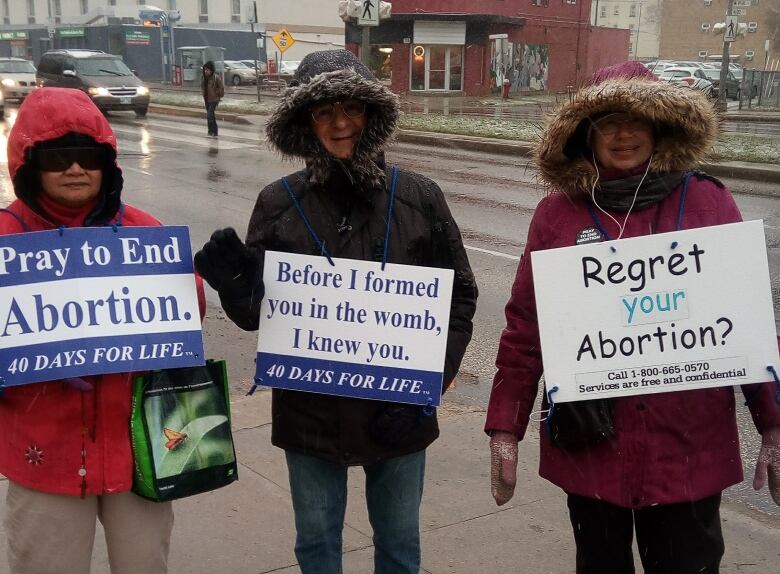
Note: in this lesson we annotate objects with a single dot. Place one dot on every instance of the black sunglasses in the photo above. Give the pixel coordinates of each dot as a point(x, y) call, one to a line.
point(60, 159)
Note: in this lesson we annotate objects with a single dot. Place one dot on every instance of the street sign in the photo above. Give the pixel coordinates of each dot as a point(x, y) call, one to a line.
point(72, 32)
point(732, 26)
point(283, 40)
point(369, 13)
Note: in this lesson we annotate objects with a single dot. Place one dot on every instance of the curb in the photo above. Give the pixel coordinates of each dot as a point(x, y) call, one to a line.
point(750, 117)
point(739, 170)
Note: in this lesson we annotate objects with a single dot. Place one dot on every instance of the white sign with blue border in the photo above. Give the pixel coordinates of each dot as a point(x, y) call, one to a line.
point(89, 301)
point(354, 329)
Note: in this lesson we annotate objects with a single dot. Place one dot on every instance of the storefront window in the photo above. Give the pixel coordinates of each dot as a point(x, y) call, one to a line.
point(418, 68)
point(380, 62)
point(456, 68)
point(437, 68)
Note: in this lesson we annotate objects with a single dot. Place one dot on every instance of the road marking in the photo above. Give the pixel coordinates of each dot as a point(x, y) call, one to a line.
point(199, 141)
point(494, 253)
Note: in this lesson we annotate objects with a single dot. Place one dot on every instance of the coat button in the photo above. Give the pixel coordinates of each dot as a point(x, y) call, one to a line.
point(347, 455)
point(640, 406)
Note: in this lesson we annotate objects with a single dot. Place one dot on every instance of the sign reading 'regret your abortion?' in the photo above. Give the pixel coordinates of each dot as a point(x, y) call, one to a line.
point(354, 329)
point(668, 312)
point(96, 300)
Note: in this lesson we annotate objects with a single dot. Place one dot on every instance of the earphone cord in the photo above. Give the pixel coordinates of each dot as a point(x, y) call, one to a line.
point(620, 227)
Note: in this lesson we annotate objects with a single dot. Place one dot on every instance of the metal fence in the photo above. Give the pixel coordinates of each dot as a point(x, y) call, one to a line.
point(759, 89)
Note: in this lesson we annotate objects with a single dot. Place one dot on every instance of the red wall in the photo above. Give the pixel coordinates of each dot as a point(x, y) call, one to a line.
point(521, 8)
point(576, 49)
point(604, 48)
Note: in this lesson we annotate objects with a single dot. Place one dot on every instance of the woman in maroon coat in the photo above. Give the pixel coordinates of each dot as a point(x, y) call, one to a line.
point(618, 162)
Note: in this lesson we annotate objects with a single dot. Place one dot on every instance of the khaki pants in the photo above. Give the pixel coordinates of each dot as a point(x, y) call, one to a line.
point(54, 534)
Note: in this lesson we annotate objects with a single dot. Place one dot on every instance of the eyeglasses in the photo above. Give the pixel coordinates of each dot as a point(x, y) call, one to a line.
point(609, 125)
point(325, 112)
point(60, 159)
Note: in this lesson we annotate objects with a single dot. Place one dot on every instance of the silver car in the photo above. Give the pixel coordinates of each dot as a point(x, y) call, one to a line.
point(692, 77)
point(238, 73)
point(17, 78)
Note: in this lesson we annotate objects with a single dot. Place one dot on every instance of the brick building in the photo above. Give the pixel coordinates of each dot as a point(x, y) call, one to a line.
point(470, 46)
point(687, 31)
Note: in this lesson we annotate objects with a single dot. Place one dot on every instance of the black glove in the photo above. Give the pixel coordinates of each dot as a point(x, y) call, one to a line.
point(230, 267)
point(395, 424)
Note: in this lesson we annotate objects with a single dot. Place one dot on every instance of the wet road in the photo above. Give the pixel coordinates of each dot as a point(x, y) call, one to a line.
point(172, 170)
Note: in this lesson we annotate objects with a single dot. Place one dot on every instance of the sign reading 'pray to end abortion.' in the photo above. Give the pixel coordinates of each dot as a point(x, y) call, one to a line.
point(89, 301)
point(668, 312)
point(354, 329)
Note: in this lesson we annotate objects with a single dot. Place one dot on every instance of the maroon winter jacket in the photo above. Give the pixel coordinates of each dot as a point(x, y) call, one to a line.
point(669, 447)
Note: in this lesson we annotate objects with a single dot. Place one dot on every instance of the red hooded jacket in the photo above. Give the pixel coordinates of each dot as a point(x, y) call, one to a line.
point(43, 426)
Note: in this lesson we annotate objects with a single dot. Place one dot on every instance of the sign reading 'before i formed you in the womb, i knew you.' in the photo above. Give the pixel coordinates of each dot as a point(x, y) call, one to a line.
point(89, 301)
point(668, 312)
point(353, 328)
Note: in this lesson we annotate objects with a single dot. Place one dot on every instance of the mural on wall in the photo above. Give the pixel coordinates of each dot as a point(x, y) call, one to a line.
point(525, 66)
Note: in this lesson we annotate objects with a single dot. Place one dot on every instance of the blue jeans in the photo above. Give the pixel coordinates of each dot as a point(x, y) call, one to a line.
point(211, 117)
point(393, 494)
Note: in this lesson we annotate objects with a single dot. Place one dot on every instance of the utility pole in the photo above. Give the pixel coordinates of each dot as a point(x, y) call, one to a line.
point(596, 14)
point(257, 48)
point(638, 28)
point(724, 63)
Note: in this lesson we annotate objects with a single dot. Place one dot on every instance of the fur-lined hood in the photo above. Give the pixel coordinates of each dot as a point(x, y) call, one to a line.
point(685, 121)
point(334, 75)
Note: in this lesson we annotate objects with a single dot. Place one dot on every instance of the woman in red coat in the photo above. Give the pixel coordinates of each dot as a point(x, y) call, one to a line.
point(618, 161)
point(65, 445)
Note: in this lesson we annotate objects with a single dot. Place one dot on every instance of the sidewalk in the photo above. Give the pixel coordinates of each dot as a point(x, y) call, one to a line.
point(247, 527)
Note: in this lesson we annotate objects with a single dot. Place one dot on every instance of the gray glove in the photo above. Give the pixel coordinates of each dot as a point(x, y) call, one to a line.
point(503, 466)
point(768, 464)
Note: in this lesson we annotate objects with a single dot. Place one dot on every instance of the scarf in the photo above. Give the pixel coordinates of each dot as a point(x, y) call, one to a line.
point(618, 194)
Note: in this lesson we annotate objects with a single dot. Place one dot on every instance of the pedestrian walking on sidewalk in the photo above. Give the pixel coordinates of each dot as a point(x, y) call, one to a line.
point(65, 444)
point(619, 162)
point(213, 91)
point(338, 118)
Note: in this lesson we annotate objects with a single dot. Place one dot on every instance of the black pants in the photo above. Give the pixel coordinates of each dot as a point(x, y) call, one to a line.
point(672, 538)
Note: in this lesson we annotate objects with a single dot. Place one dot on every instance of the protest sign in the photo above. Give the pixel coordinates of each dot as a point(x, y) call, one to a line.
point(354, 329)
point(668, 312)
point(87, 301)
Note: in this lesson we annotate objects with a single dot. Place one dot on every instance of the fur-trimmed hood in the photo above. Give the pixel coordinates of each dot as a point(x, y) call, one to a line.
point(334, 75)
point(685, 122)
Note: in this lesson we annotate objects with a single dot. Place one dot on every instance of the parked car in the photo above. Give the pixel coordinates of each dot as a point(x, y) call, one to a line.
point(288, 66)
point(732, 84)
point(103, 77)
point(691, 77)
point(237, 73)
point(658, 66)
point(17, 78)
point(262, 67)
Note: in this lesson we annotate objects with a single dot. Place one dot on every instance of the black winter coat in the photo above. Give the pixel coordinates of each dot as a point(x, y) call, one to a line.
point(423, 233)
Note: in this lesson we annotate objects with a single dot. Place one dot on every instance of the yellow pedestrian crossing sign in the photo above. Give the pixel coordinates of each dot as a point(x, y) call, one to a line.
point(283, 40)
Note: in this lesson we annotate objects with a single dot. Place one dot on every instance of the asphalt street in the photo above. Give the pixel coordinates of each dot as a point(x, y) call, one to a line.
point(178, 174)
